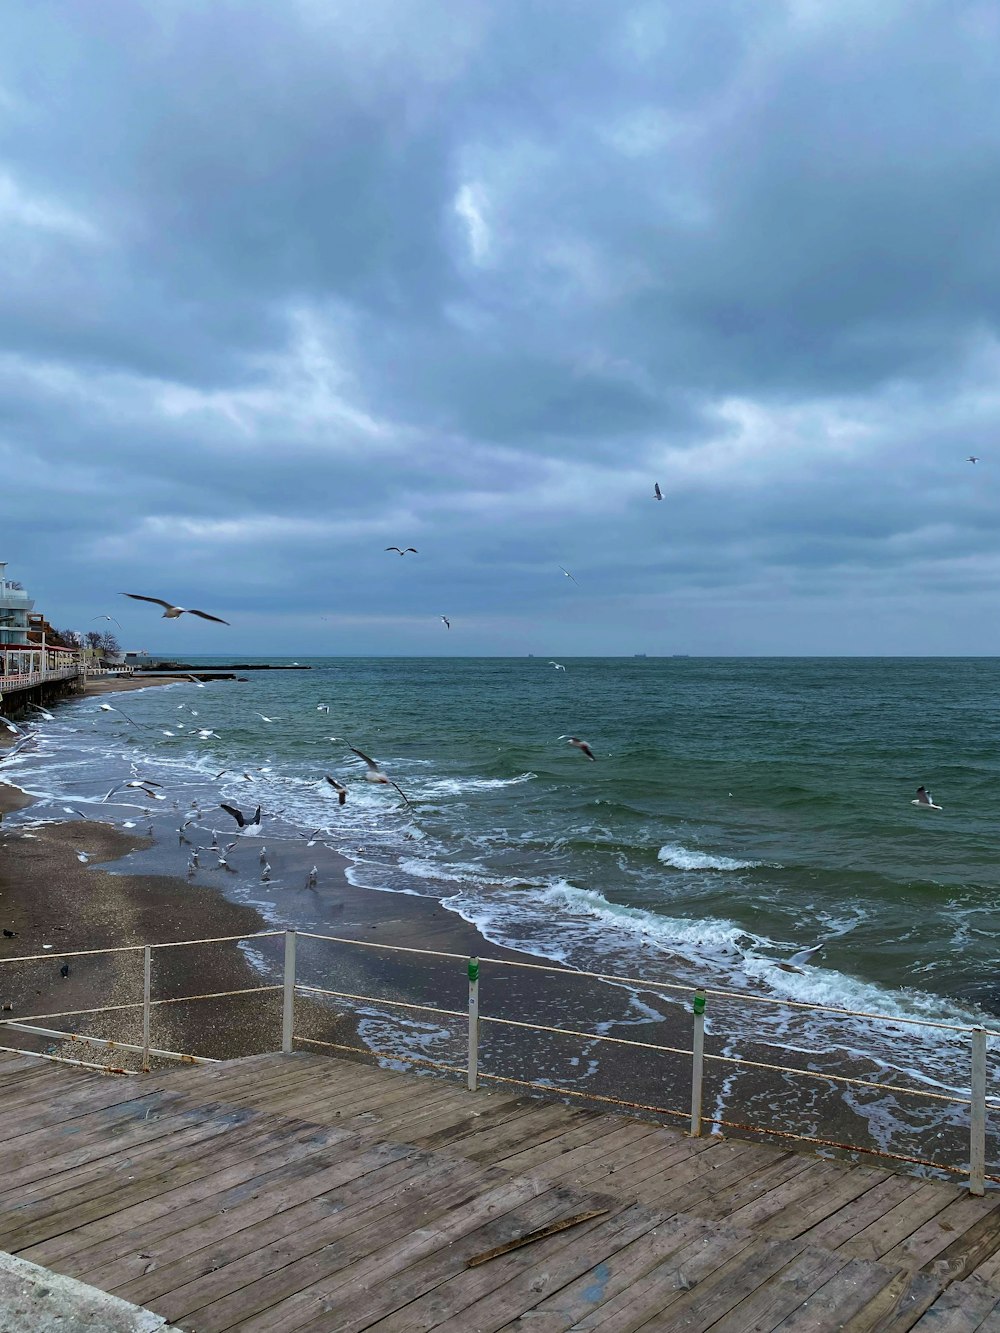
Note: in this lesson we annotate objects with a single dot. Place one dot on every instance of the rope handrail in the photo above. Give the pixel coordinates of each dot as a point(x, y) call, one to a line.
point(645, 984)
point(137, 948)
point(301, 987)
point(138, 1004)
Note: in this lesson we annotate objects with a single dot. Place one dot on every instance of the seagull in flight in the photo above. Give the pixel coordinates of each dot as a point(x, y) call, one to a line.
point(375, 775)
point(12, 727)
point(558, 666)
point(925, 799)
point(339, 787)
point(172, 612)
point(656, 491)
point(447, 622)
point(580, 745)
point(568, 575)
point(972, 459)
point(111, 618)
point(143, 784)
point(195, 681)
point(402, 552)
point(322, 708)
point(243, 820)
point(44, 712)
point(268, 719)
point(110, 708)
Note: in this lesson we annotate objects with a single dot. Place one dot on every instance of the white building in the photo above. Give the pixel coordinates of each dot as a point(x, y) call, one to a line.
point(14, 607)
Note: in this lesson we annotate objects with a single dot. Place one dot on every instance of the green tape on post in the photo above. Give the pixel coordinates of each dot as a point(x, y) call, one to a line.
point(473, 969)
point(698, 1006)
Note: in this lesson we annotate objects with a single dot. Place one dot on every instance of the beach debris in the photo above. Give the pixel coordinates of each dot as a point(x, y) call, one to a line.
point(374, 774)
point(172, 612)
point(580, 745)
point(83, 857)
point(64, 971)
point(568, 575)
point(110, 708)
point(9, 934)
point(402, 552)
point(447, 622)
point(339, 788)
point(141, 784)
point(925, 799)
point(111, 618)
point(552, 1229)
point(243, 820)
point(558, 666)
point(656, 490)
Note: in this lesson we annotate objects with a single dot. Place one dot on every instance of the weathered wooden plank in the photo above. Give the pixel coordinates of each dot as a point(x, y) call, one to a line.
point(376, 1201)
point(503, 1290)
point(782, 1294)
point(853, 1217)
point(667, 1281)
point(281, 1300)
point(614, 1274)
point(965, 1216)
point(850, 1291)
point(552, 1146)
point(887, 1231)
point(898, 1306)
point(173, 1186)
point(961, 1308)
point(802, 1214)
point(465, 1130)
point(275, 1210)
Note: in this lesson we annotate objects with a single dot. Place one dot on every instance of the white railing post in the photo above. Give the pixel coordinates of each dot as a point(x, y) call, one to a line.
point(977, 1129)
point(697, 1060)
point(288, 999)
point(147, 980)
point(473, 1074)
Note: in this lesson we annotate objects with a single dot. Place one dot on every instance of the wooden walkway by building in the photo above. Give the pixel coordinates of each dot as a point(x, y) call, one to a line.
point(301, 1192)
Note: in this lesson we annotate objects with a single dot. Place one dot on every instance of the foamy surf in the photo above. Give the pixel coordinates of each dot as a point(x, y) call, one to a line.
point(683, 858)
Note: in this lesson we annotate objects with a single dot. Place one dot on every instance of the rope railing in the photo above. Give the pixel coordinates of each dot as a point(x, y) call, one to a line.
point(291, 987)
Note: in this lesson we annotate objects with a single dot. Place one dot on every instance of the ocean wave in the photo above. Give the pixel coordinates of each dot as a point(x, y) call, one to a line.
point(683, 858)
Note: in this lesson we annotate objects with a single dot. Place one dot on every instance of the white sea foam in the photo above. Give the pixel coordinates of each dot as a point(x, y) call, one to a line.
point(683, 858)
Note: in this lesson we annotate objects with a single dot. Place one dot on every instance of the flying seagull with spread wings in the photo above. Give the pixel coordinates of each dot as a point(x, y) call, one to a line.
point(402, 552)
point(172, 612)
point(925, 799)
point(338, 787)
point(375, 774)
point(568, 575)
point(580, 745)
point(972, 459)
point(243, 820)
point(111, 618)
point(447, 622)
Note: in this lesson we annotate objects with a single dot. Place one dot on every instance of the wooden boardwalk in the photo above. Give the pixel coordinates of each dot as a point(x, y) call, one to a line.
point(299, 1192)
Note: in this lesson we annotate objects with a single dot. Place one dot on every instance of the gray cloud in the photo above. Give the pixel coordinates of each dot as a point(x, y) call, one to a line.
point(283, 285)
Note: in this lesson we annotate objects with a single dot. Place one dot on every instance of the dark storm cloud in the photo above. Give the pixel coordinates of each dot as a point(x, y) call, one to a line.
point(283, 285)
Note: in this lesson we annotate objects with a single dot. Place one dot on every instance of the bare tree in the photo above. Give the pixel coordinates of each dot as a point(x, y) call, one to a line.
point(109, 644)
point(93, 638)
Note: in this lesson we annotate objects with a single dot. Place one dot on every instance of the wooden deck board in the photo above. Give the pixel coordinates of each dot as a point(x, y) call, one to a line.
point(290, 1193)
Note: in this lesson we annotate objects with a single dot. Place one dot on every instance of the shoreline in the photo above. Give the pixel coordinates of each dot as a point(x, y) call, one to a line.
point(48, 896)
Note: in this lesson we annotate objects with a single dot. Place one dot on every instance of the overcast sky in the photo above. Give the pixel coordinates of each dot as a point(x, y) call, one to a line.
point(282, 284)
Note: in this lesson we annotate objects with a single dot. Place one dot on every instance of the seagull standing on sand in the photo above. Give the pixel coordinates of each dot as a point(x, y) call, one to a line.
point(580, 745)
point(402, 552)
point(312, 877)
point(925, 799)
point(172, 612)
point(374, 774)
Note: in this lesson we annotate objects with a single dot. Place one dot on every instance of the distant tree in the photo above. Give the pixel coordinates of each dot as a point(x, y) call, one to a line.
point(69, 638)
point(93, 638)
point(109, 644)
